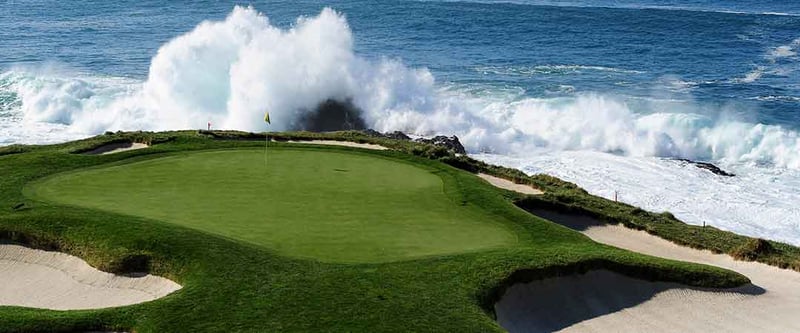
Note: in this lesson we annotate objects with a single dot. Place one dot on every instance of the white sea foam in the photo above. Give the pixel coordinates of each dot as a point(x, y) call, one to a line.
point(780, 60)
point(558, 69)
point(784, 51)
point(779, 98)
point(752, 76)
point(230, 72)
point(757, 202)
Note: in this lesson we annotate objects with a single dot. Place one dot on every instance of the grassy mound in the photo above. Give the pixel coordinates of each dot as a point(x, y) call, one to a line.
point(332, 206)
point(264, 284)
point(753, 249)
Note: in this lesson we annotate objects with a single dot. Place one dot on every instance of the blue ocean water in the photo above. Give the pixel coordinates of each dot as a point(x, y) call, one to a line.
point(604, 93)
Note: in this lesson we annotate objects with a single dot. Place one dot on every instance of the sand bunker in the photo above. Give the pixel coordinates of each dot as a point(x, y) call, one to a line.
point(343, 143)
point(556, 303)
point(118, 147)
point(601, 301)
point(509, 185)
point(58, 281)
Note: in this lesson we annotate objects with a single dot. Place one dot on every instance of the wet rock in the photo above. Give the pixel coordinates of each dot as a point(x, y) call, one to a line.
point(449, 142)
point(373, 133)
point(397, 135)
point(708, 166)
point(331, 115)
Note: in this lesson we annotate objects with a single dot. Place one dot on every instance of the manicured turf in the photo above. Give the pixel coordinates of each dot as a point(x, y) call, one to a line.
point(231, 285)
point(332, 206)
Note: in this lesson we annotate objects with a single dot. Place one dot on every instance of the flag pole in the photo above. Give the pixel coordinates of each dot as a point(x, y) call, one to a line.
point(266, 146)
point(266, 138)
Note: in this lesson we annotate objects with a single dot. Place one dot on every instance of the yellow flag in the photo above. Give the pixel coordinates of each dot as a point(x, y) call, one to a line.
point(266, 117)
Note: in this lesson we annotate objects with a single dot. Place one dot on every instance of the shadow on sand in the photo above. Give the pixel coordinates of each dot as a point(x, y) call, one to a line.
point(556, 303)
point(552, 304)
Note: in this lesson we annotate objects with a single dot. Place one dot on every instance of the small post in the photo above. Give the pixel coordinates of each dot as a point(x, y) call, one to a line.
point(616, 195)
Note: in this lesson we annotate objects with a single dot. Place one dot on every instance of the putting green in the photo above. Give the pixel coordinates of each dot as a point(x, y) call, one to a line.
point(331, 205)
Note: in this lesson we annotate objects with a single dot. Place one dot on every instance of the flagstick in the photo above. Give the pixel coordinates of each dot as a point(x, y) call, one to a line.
point(266, 145)
point(266, 138)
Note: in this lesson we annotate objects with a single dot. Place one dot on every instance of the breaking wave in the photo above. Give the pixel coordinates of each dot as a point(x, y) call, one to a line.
point(528, 71)
point(230, 72)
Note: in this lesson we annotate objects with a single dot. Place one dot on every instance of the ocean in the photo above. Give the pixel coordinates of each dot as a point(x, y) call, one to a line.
point(608, 94)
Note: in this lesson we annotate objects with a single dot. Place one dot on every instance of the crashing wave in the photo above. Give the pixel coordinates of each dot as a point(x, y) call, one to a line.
point(230, 72)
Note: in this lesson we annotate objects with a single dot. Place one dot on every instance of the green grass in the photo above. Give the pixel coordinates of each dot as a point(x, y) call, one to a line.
point(665, 225)
point(232, 285)
point(332, 206)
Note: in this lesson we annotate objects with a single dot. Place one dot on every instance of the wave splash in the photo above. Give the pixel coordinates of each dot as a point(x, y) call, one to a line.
point(230, 72)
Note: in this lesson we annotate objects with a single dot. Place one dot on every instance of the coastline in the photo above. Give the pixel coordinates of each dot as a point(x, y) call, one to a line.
point(582, 255)
point(558, 195)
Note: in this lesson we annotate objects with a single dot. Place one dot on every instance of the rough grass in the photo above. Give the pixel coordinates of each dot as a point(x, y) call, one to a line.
point(236, 286)
point(666, 226)
point(752, 249)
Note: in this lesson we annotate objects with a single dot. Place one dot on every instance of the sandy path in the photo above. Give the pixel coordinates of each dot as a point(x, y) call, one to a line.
point(614, 303)
point(342, 143)
point(509, 185)
point(58, 281)
point(113, 148)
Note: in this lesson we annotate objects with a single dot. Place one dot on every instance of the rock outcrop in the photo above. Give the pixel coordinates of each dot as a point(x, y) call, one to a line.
point(708, 166)
point(449, 142)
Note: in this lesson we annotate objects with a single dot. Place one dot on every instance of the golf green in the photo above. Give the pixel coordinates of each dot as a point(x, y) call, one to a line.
point(329, 204)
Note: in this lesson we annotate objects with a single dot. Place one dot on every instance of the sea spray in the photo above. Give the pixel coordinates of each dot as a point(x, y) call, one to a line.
point(230, 72)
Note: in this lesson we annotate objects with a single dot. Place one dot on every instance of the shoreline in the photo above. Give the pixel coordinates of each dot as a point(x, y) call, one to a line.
point(559, 194)
point(174, 254)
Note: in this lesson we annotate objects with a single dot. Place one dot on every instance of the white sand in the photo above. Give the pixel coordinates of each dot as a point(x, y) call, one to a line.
point(509, 185)
point(58, 281)
point(342, 143)
point(607, 302)
point(113, 148)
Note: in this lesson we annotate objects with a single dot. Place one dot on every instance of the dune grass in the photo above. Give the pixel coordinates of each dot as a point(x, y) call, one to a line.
point(332, 206)
point(234, 285)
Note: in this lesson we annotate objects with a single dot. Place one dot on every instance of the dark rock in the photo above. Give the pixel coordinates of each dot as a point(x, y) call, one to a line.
point(332, 115)
point(397, 135)
point(450, 143)
point(373, 133)
point(708, 166)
